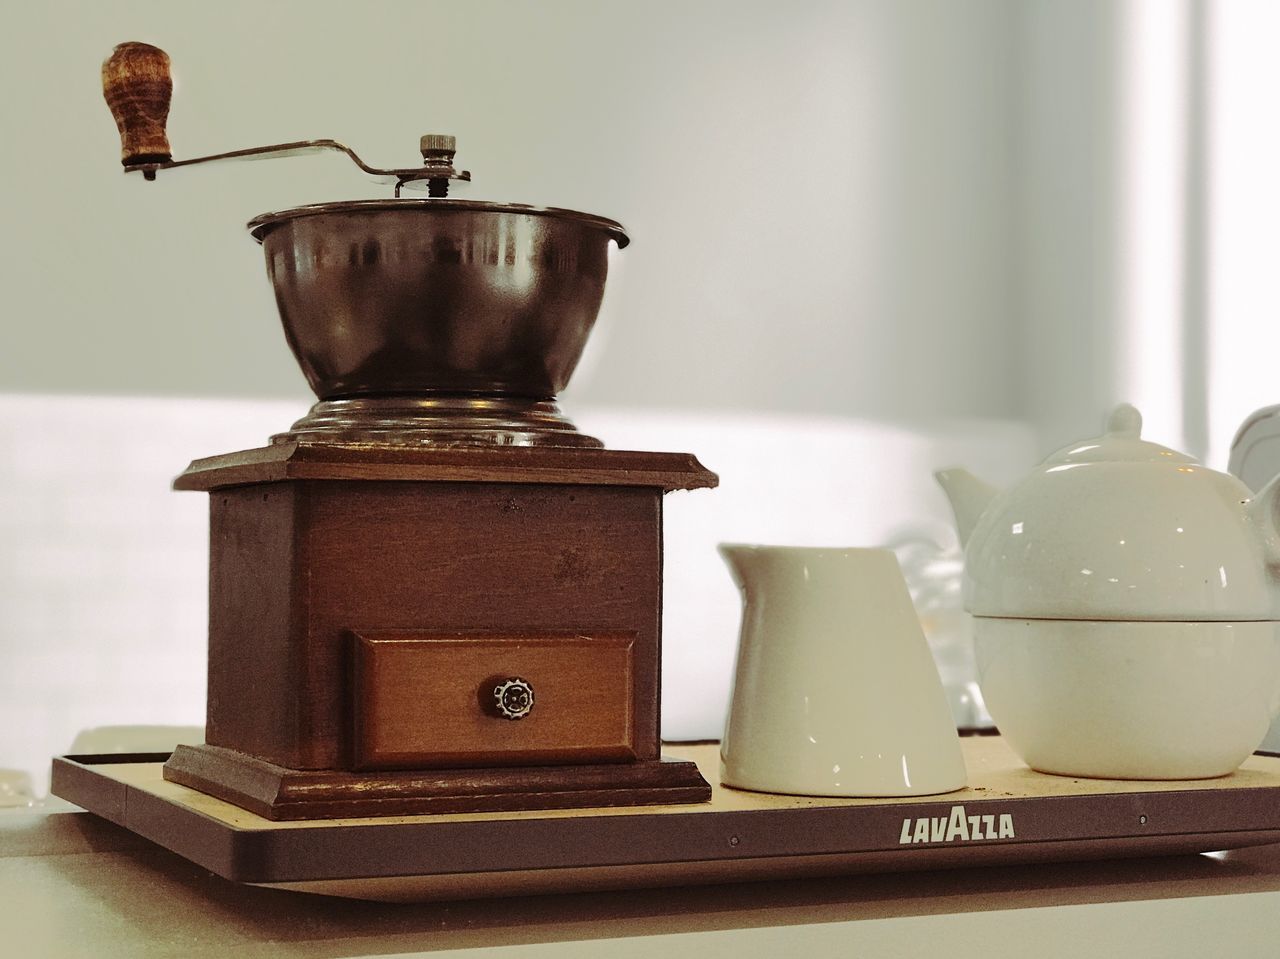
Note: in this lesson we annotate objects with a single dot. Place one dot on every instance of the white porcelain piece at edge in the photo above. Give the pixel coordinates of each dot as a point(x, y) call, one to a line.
point(1125, 602)
point(836, 692)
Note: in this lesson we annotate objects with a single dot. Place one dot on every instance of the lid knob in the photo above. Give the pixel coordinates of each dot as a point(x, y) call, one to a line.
point(1125, 420)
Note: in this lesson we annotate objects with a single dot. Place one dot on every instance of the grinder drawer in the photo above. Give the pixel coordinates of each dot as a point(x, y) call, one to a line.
point(444, 700)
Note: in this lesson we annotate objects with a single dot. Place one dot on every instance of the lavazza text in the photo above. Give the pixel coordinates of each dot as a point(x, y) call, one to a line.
point(957, 827)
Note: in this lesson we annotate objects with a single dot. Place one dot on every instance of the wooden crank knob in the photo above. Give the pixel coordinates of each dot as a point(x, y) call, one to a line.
point(138, 86)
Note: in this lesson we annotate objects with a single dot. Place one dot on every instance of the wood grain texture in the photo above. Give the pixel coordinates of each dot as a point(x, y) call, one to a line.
point(312, 545)
point(276, 793)
point(448, 557)
point(137, 86)
point(666, 471)
point(425, 700)
point(257, 697)
point(295, 566)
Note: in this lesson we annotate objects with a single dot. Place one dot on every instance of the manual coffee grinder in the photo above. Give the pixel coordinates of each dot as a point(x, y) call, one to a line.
point(432, 594)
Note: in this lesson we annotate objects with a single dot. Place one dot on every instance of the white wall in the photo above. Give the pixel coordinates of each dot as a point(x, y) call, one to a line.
point(1144, 202)
point(818, 192)
point(893, 210)
point(1067, 215)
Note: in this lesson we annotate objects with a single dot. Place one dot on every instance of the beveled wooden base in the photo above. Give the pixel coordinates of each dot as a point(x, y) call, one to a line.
point(281, 794)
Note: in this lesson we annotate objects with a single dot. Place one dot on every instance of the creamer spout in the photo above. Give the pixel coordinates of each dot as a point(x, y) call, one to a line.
point(741, 560)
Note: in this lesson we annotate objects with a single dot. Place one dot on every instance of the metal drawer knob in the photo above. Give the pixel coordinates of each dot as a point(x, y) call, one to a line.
point(514, 698)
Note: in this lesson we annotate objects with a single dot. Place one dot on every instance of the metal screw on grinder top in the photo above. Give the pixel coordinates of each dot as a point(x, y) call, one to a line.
point(438, 150)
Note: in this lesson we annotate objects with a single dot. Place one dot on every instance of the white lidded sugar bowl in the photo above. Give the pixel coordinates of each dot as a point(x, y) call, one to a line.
point(1125, 602)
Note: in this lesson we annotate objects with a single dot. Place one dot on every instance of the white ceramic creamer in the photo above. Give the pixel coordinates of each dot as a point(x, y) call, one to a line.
point(836, 692)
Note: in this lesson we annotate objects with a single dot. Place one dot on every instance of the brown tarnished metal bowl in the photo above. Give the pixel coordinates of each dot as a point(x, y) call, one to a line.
point(426, 312)
point(436, 296)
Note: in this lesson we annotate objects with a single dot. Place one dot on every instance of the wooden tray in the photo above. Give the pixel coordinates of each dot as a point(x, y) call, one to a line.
point(1007, 814)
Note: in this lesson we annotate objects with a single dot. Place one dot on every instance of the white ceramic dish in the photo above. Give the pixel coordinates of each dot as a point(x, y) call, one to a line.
point(1130, 700)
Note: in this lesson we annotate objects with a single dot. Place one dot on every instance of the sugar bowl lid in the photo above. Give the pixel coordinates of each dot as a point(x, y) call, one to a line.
point(1119, 528)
